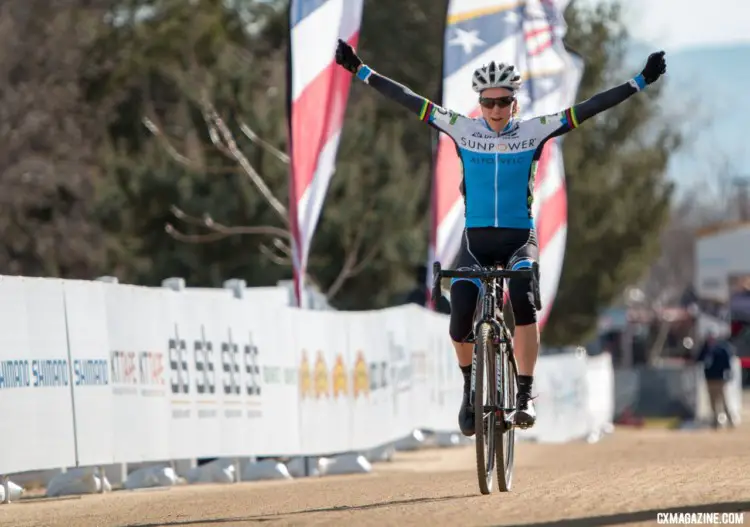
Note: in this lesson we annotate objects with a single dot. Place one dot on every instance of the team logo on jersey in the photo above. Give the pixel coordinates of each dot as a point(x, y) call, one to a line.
point(480, 135)
point(499, 147)
point(551, 118)
point(453, 116)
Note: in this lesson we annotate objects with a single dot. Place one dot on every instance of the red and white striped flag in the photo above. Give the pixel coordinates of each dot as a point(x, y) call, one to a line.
point(528, 34)
point(318, 93)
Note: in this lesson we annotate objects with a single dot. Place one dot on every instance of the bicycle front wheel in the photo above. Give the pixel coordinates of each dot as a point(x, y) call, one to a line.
point(485, 390)
point(506, 434)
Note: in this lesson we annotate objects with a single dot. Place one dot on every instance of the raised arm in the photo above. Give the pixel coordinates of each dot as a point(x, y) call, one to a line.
point(425, 109)
point(393, 90)
point(574, 116)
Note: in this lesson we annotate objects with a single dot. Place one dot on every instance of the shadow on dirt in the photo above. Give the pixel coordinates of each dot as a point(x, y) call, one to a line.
point(279, 516)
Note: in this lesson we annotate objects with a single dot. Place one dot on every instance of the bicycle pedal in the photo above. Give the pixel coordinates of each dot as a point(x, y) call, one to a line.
point(503, 426)
point(522, 426)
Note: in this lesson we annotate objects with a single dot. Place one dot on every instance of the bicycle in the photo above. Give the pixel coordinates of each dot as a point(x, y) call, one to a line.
point(492, 338)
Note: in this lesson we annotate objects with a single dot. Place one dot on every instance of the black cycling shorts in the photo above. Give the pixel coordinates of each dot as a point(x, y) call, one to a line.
point(511, 248)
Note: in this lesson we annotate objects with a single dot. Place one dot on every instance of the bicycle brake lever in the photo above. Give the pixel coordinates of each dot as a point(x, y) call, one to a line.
point(435, 285)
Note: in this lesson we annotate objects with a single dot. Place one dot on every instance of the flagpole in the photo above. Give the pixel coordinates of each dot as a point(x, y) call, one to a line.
point(432, 303)
point(297, 273)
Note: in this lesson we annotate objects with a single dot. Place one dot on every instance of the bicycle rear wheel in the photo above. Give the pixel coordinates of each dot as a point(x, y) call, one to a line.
point(485, 390)
point(506, 435)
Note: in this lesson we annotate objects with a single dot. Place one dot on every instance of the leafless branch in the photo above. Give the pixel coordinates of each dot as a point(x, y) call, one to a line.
point(365, 260)
point(353, 265)
point(220, 231)
point(283, 247)
point(152, 124)
point(255, 138)
point(187, 218)
point(279, 250)
point(223, 138)
point(275, 258)
point(193, 238)
point(156, 131)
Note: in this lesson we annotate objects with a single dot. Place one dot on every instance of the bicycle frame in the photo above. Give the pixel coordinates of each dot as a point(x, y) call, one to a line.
point(490, 305)
point(490, 356)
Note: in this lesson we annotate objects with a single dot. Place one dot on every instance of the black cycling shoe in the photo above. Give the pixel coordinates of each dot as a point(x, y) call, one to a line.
point(525, 414)
point(466, 416)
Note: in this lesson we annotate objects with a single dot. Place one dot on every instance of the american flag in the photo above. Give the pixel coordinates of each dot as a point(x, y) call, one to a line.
point(529, 35)
point(318, 93)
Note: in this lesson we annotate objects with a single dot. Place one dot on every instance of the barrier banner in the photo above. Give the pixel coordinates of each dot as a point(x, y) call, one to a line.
point(562, 404)
point(370, 413)
point(401, 329)
point(96, 373)
point(137, 325)
point(323, 400)
point(443, 377)
point(203, 332)
point(36, 416)
point(182, 416)
point(96, 417)
point(600, 384)
point(270, 378)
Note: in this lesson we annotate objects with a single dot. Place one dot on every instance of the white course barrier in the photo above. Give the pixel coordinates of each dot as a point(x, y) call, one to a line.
point(83, 480)
point(96, 373)
point(147, 477)
point(14, 491)
point(575, 398)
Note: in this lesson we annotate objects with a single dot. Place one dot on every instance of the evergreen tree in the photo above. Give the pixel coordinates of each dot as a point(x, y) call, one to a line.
point(615, 168)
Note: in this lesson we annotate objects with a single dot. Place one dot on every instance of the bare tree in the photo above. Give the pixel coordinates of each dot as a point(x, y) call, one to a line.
point(711, 201)
point(197, 85)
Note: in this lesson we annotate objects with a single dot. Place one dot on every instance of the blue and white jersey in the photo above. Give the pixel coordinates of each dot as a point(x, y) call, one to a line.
point(498, 168)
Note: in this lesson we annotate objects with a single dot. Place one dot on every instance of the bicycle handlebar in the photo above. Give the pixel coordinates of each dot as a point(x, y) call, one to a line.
point(486, 274)
point(495, 273)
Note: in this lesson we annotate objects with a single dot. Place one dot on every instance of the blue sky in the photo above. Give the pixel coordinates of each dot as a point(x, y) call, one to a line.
point(679, 24)
point(708, 50)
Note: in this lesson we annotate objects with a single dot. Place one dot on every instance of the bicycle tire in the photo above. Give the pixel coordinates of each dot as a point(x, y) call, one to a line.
point(484, 429)
point(505, 440)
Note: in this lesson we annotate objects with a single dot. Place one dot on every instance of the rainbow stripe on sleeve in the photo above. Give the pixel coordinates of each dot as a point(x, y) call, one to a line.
point(426, 111)
point(570, 118)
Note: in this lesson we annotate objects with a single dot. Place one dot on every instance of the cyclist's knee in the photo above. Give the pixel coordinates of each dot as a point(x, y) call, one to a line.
point(522, 301)
point(463, 302)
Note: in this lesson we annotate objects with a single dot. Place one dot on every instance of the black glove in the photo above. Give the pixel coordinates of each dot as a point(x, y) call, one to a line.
point(346, 57)
point(655, 67)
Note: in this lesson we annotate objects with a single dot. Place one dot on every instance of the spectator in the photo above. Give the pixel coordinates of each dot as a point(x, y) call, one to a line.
point(418, 295)
point(716, 356)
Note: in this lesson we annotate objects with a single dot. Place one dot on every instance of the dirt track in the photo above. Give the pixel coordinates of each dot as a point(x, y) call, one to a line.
point(624, 479)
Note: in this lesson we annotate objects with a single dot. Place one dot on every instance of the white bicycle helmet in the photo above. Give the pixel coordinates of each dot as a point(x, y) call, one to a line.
point(496, 76)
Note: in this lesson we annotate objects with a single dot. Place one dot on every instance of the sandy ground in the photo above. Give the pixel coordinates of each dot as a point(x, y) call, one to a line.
point(623, 480)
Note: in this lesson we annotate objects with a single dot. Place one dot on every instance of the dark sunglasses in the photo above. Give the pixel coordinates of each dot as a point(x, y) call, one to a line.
point(502, 102)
